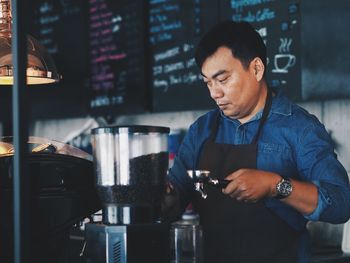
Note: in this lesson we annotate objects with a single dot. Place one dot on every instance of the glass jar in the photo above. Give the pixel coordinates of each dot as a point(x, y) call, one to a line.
point(187, 240)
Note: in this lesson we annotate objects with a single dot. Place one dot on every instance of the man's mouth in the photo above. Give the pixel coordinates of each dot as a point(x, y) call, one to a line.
point(220, 104)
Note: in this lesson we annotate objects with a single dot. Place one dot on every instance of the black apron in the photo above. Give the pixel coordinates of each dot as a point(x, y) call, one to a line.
point(235, 231)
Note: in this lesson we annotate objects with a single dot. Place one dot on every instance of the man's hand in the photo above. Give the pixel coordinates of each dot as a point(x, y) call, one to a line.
point(250, 185)
point(170, 206)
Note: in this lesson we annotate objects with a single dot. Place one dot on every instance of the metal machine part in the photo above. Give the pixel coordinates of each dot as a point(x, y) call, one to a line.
point(38, 145)
point(127, 243)
point(202, 177)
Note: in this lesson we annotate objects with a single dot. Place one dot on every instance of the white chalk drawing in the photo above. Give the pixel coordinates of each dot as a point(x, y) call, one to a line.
point(285, 45)
point(284, 60)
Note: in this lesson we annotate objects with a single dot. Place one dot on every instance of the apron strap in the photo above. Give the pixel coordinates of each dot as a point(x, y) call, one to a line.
point(215, 127)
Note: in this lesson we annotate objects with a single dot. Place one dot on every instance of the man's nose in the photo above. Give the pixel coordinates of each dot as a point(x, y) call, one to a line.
point(216, 92)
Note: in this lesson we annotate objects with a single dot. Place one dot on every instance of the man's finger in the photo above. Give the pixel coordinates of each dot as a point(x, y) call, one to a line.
point(235, 175)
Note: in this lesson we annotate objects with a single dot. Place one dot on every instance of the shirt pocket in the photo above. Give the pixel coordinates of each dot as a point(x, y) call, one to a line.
point(276, 158)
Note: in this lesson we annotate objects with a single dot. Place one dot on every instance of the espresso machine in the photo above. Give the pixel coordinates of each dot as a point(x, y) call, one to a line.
point(62, 194)
point(130, 163)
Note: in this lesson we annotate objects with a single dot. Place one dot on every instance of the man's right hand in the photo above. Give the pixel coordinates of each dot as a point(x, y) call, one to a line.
point(170, 206)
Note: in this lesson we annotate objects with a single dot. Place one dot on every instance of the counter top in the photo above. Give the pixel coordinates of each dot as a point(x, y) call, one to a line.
point(332, 258)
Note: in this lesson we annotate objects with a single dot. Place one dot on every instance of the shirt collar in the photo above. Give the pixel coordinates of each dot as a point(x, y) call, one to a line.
point(281, 104)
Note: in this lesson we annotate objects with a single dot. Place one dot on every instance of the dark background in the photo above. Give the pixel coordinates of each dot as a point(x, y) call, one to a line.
point(120, 57)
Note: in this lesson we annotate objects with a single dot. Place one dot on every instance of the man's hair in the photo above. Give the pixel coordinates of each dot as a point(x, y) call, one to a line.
point(244, 42)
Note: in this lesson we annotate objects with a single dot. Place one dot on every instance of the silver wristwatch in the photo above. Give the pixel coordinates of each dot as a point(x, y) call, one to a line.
point(284, 188)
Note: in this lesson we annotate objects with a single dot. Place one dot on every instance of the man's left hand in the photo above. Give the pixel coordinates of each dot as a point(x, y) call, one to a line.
point(250, 185)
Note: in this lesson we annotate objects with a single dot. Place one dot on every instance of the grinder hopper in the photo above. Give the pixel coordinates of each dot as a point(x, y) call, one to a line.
point(131, 163)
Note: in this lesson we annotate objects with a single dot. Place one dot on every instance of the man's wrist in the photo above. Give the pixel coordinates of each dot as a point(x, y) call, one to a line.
point(275, 180)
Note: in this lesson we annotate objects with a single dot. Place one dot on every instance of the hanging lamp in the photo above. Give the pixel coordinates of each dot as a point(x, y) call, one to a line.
point(40, 66)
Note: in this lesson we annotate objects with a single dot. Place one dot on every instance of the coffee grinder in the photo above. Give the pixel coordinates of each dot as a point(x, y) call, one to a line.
point(131, 163)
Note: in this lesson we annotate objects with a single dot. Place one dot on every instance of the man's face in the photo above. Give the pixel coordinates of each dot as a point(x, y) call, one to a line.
point(235, 89)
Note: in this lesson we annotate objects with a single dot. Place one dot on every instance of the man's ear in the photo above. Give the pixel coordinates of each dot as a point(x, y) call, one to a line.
point(258, 67)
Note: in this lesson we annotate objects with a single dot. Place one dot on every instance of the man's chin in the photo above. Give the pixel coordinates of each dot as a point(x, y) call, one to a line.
point(230, 114)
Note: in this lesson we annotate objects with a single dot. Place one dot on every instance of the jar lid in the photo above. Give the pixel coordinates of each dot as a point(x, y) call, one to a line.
point(130, 129)
point(190, 216)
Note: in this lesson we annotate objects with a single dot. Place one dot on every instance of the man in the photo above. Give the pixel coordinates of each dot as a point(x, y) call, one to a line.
point(278, 158)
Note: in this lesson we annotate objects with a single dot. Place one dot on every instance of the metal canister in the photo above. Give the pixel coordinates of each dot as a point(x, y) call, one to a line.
point(131, 163)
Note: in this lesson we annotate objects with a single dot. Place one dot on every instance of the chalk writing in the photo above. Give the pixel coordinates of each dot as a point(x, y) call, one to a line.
point(176, 79)
point(163, 23)
point(262, 32)
point(166, 27)
point(69, 7)
point(116, 51)
point(103, 27)
point(157, 70)
point(258, 16)
point(153, 2)
point(191, 63)
point(47, 20)
point(50, 17)
point(186, 47)
point(105, 101)
point(238, 5)
point(173, 67)
point(45, 8)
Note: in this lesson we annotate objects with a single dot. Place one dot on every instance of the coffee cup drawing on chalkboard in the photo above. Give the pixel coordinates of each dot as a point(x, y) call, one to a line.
point(283, 62)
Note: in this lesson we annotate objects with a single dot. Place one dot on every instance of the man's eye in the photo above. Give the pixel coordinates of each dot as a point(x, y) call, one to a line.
point(222, 80)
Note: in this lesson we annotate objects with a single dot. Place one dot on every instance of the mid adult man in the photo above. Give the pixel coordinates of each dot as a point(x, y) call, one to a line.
point(278, 158)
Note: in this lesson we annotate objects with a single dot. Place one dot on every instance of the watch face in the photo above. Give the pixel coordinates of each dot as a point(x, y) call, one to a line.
point(284, 188)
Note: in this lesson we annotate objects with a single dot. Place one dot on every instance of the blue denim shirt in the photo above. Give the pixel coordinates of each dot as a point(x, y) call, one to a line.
point(293, 144)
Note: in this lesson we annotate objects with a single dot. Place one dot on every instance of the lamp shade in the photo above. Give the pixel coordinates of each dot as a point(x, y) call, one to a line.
point(40, 66)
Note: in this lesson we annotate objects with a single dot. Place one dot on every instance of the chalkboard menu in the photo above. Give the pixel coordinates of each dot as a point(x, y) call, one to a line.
point(278, 22)
point(117, 51)
point(60, 26)
point(127, 56)
point(175, 26)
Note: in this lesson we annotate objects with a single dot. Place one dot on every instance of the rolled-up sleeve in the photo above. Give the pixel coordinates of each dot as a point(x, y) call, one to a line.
point(317, 163)
point(184, 160)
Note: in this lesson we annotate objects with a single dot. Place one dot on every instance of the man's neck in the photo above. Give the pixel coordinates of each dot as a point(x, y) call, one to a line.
point(258, 106)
